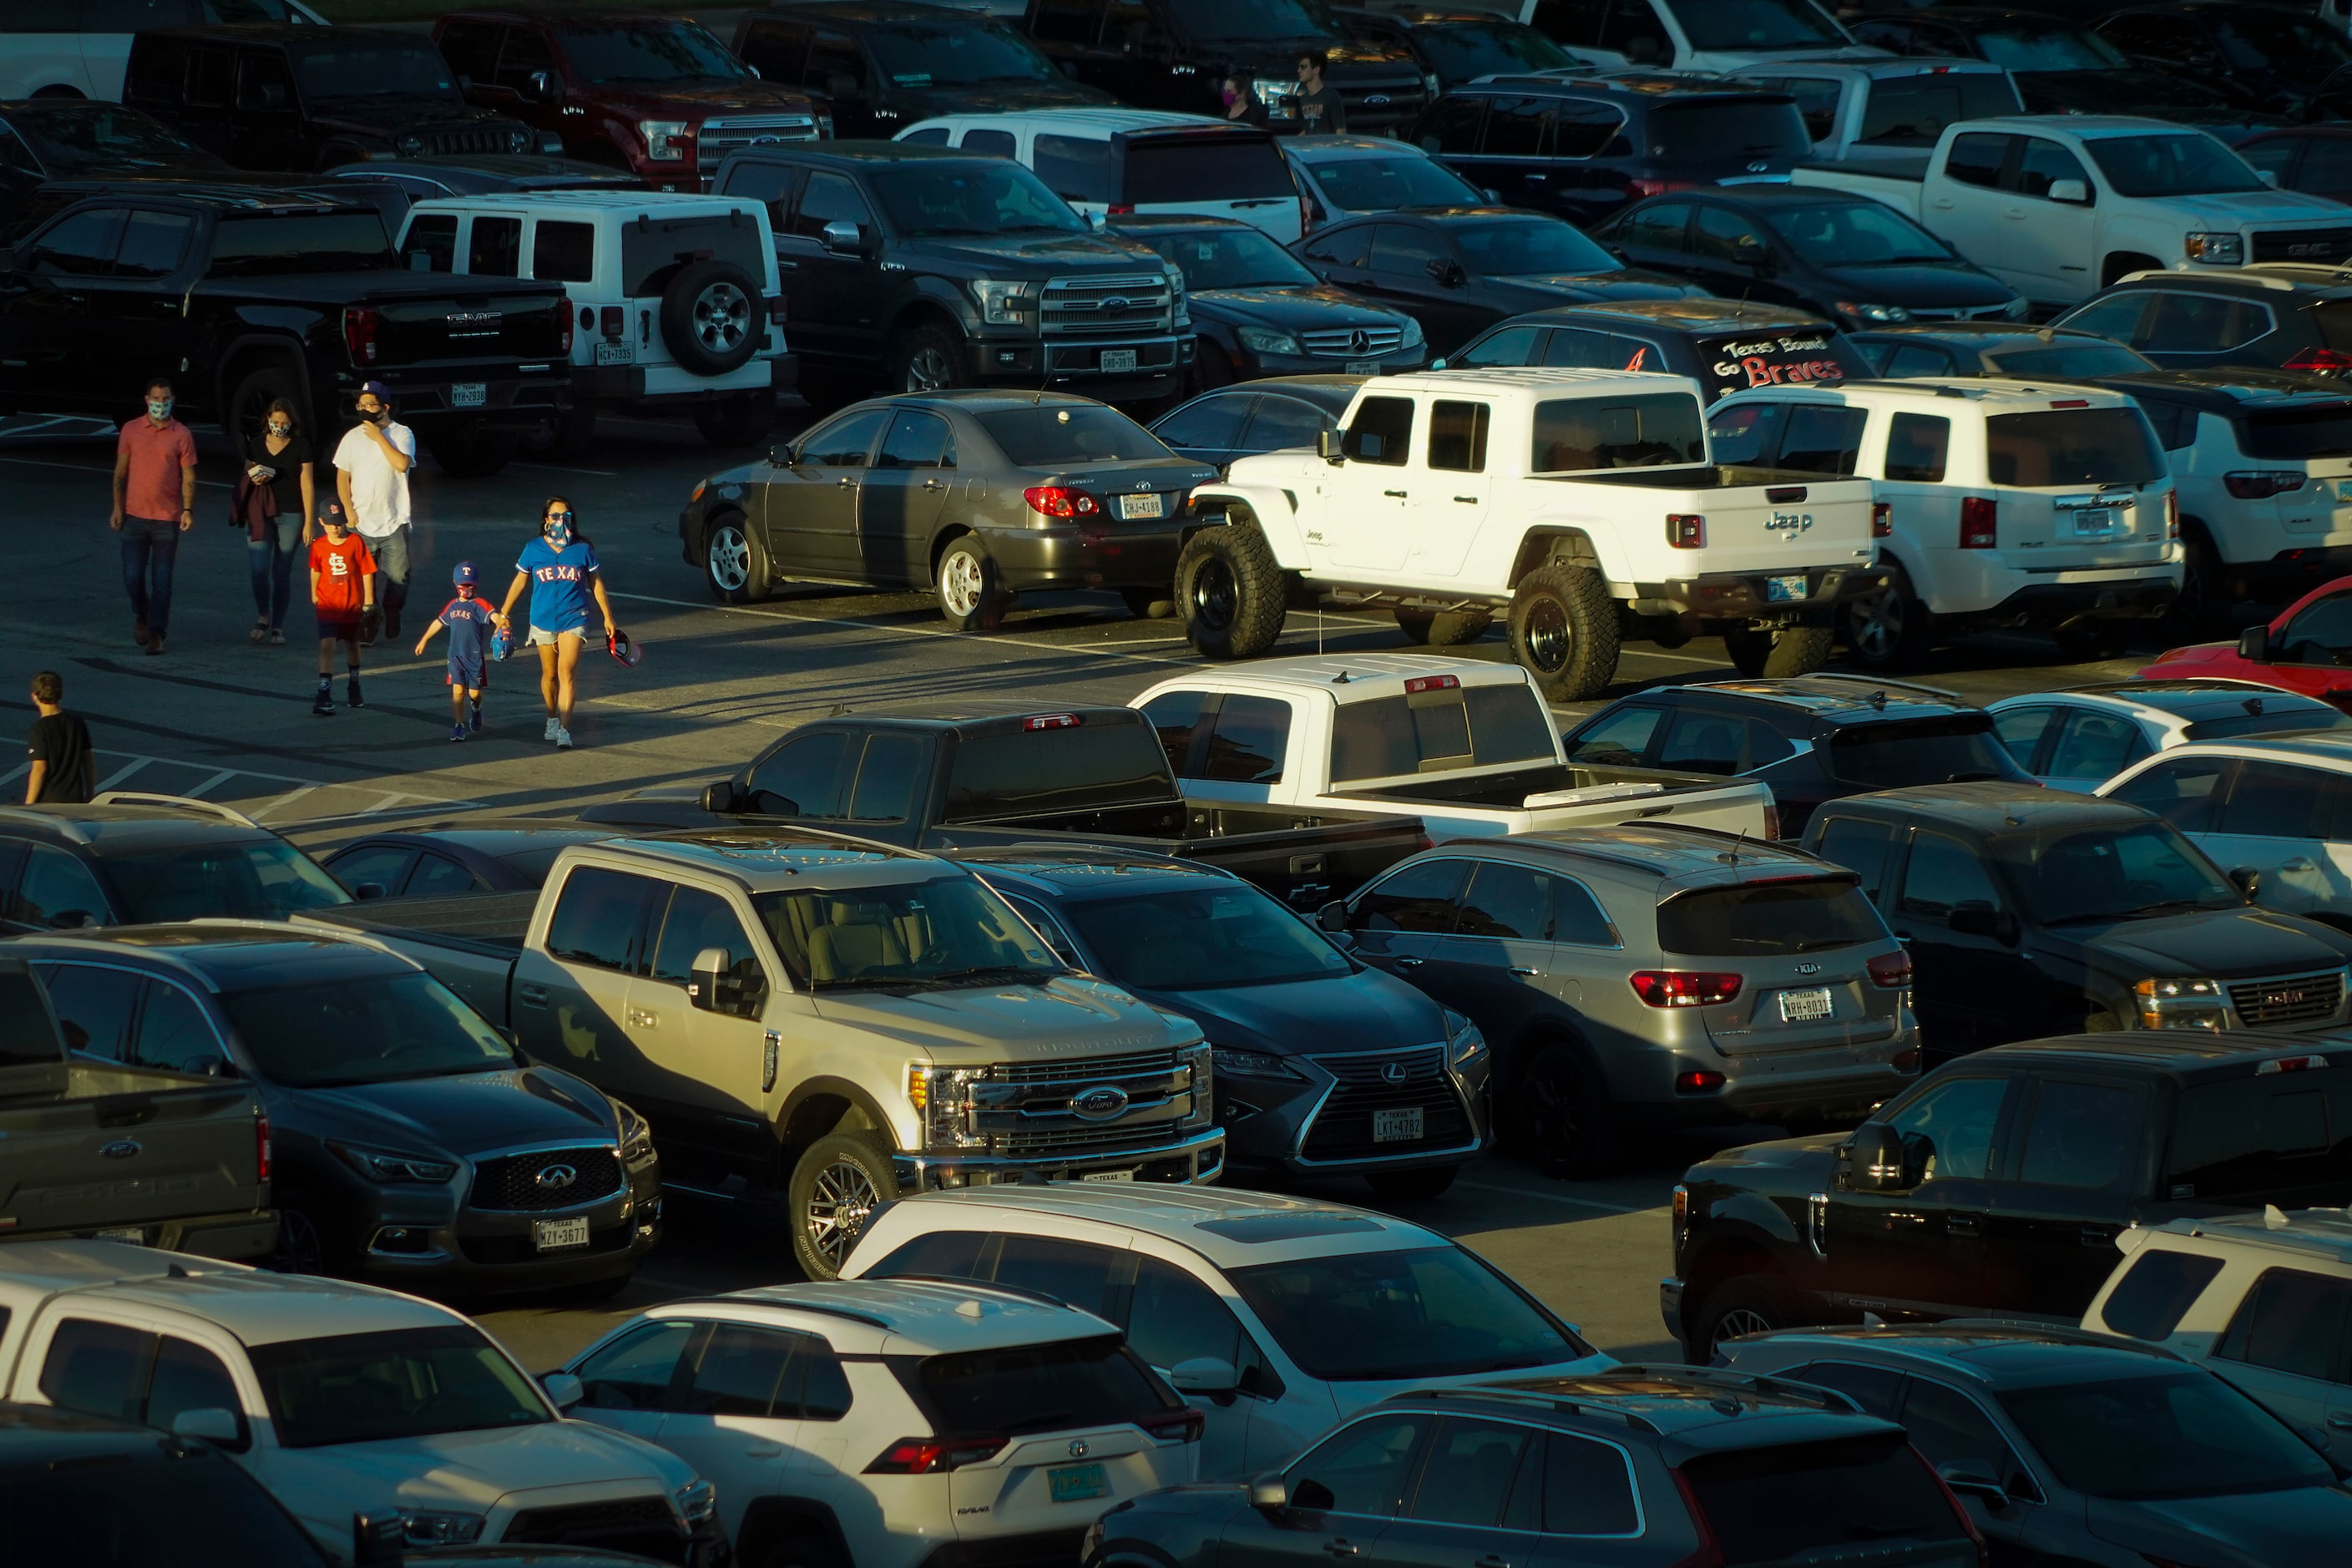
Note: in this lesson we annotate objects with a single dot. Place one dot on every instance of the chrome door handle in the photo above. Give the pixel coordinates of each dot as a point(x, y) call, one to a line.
point(1467, 500)
point(1398, 494)
point(1960, 1225)
point(2298, 863)
point(1340, 1546)
point(1406, 962)
point(1522, 969)
point(847, 483)
point(933, 485)
point(533, 996)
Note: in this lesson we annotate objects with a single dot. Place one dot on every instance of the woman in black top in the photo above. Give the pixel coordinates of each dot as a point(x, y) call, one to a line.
point(277, 459)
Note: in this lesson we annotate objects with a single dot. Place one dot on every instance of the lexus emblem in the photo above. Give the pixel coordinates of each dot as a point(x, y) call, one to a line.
point(1116, 302)
point(1757, 168)
point(120, 1149)
point(555, 1178)
point(1099, 1103)
point(1359, 339)
point(1078, 1448)
point(1392, 1072)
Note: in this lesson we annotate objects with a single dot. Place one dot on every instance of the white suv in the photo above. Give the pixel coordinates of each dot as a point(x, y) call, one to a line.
point(1277, 1316)
point(2004, 504)
point(677, 303)
point(2080, 737)
point(341, 1399)
point(882, 1423)
point(2269, 805)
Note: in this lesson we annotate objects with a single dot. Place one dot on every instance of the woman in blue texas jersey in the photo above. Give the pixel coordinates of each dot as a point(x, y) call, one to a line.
point(567, 594)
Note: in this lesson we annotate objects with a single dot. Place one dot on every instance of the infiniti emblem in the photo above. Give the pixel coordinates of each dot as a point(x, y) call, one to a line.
point(555, 1178)
point(1099, 1103)
point(1078, 1448)
point(1757, 168)
point(1393, 1072)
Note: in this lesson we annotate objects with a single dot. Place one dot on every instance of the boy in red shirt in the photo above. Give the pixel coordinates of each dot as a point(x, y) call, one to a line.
point(343, 587)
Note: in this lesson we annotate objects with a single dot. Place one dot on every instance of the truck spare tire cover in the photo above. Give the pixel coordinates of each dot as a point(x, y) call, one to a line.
point(711, 317)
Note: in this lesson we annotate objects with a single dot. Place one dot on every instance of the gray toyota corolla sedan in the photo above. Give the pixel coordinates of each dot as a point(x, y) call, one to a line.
point(978, 495)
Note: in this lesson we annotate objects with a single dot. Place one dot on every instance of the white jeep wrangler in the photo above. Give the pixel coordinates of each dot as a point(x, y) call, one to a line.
point(675, 298)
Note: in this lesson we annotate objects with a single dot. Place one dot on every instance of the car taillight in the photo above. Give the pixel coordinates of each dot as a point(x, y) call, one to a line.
point(1683, 988)
point(2320, 362)
point(2171, 514)
point(261, 1150)
point(1979, 527)
point(613, 322)
point(2259, 484)
point(1305, 214)
point(1686, 530)
point(1120, 209)
point(1709, 1554)
point(1881, 520)
point(1060, 501)
point(1699, 1081)
point(776, 309)
point(1773, 819)
point(1905, 1061)
point(359, 324)
point(1183, 1425)
point(1642, 186)
point(1890, 969)
point(564, 321)
point(932, 1456)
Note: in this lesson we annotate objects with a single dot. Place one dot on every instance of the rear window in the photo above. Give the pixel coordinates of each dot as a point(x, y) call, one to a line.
point(1784, 356)
point(2268, 717)
point(1772, 1505)
point(1032, 1388)
point(2072, 447)
point(265, 244)
point(651, 250)
point(1716, 131)
point(2292, 434)
point(2156, 1291)
point(2067, 359)
point(2267, 1135)
point(1100, 762)
point(1468, 727)
point(1774, 918)
point(1204, 169)
point(1914, 113)
point(1579, 435)
point(1918, 750)
point(1057, 437)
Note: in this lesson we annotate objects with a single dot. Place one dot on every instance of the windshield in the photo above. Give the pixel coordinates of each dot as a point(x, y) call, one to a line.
point(1201, 938)
point(955, 53)
point(369, 1028)
point(1581, 434)
point(1902, 751)
point(947, 932)
point(999, 196)
point(2069, 359)
point(1064, 434)
point(375, 69)
point(1382, 185)
point(1743, 25)
point(1716, 131)
point(2073, 446)
point(2022, 47)
point(2189, 164)
point(2164, 1435)
point(1035, 1388)
point(1853, 1499)
point(1226, 258)
point(271, 245)
point(1768, 918)
point(404, 1383)
point(648, 51)
point(1239, 19)
point(1856, 234)
point(1504, 248)
point(1460, 50)
point(2291, 435)
point(2112, 873)
point(91, 133)
point(1432, 1311)
point(2297, 47)
point(248, 879)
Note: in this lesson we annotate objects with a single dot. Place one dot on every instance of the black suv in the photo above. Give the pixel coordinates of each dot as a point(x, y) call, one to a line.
point(1455, 47)
point(131, 858)
point(1175, 53)
point(1999, 1185)
point(2012, 349)
point(2283, 314)
point(918, 268)
point(2266, 56)
point(279, 96)
point(1584, 149)
point(1725, 345)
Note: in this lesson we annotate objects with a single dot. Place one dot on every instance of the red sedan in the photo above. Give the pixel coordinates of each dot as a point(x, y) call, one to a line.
point(2307, 647)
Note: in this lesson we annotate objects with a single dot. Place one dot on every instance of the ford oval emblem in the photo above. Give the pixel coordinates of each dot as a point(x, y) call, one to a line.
point(120, 1149)
point(1392, 1072)
point(1099, 1103)
point(1117, 302)
point(555, 1178)
point(1372, 98)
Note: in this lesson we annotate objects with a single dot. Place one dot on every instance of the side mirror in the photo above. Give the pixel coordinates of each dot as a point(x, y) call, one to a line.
point(2268, 176)
point(1976, 917)
point(1205, 1374)
point(1269, 1491)
point(1874, 1160)
point(1331, 446)
point(2246, 879)
point(1445, 270)
point(1437, 363)
point(542, 87)
point(211, 1422)
point(378, 1538)
point(842, 237)
point(782, 455)
point(1750, 252)
point(563, 1390)
point(2073, 193)
point(710, 974)
point(368, 890)
point(2254, 645)
point(722, 799)
point(1970, 1479)
point(1333, 916)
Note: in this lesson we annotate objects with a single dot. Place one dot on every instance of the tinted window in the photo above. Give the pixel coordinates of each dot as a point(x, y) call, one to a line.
point(1217, 168)
point(2072, 447)
point(1950, 1428)
point(1617, 739)
point(2276, 800)
point(80, 247)
point(1875, 1389)
point(433, 238)
point(1953, 1125)
point(1918, 448)
point(2020, 731)
point(829, 198)
point(2081, 1135)
point(1072, 1383)
point(1212, 423)
point(1174, 716)
point(93, 1007)
point(1174, 1319)
point(2290, 1322)
point(1912, 111)
point(1075, 168)
point(696, 919)
point(1052, 438)
point(2289, 435)
point(1100, 762)
point(2156, 1290)
point(799, 778)
point(1779, 917)
point(2041, 163)
point(1477, 726)
point(173, 1032)
point(634, 1373)
point(1429, 1312)
point(438, 876)
point(1942, 873)
point(1247, 744)
point(1406, 249)
point(2177, 165)
point(1361, 1469)
point(1226, 933)
point(258, 246)
point(1506, 900)
point(741, 1370)
point(2166, 1435)
point(1774, 1504)
point(1457, 437)
point(2202, 324)
point(1357, 184)
point(1658, 225)
point(1573, 437)
point(373, 1028)
point(1860, 845)
point(599, 918)
point(2261, 1136)
point(494, 248)
point(1467, 1476)
point(1505, 345)
point(57, 890)
point(387, 1386)
point(887, 779)
point(99, 1368)
point(1381, 432)
point(565, 252)
point(916, 441)
point(1718, 130)
point(1975, 158)
point(1917, 750)
point(1418, 899)
point(2181, 793)
point(2094, 745)
point(152, 244)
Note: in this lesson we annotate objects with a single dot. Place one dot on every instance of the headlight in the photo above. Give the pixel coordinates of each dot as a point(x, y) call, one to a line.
point(1413, 338)
point(2216, 250)
point(518, 140)
point(1873, 312)
point(942, 1097)
point(636, 1135)
point(665, 139)
point(697, 1502)
point(1253, 1064)
point(441, 1528)
point(409, 146)
point(2017, 310)
point(1468, 1044)
point(378, 1165)
point(1259, 340)
point(1004, 304)
point(2174, 1003)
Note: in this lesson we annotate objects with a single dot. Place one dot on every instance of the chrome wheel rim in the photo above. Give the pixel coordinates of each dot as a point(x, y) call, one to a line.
point(1877, 629)
point(730, 559)
point(1740, 1320)
point(842, 1196)
point(960, 583)
point(1551, 641)
point(929, 370)
point(298, 1248)
point(723, 316)
point(1215, 598)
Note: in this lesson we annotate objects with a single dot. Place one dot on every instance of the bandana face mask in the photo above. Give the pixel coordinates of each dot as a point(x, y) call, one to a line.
point(559, 534)
point(158, 408)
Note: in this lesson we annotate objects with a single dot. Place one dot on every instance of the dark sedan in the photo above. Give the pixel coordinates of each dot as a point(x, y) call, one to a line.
point(1270, 415)
point(2010, 349)
point(979, 494)
point(71, 139)
point(1458, 270)
point(1258, 311)
point(449, 862)
point(1455, 47)
point(1856, 261)
point(1725, 345)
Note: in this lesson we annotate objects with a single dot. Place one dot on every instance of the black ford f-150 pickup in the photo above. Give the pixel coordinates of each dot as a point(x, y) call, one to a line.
point(241, 294)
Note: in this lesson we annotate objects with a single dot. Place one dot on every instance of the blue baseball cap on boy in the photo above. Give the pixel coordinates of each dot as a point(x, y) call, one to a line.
point(463, 576)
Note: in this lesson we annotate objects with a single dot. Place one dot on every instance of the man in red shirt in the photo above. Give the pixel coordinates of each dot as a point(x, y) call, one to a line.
point(342, 586)
point(155, 503)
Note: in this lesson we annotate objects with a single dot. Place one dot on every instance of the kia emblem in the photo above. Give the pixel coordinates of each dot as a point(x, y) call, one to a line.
point(1100, 1103)
point(1809, 969)
point(555, 1178)
point(1392, 1072)
point(1078, 1448)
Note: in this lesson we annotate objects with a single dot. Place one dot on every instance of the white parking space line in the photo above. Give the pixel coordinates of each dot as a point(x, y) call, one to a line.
point(552, 468)
point(260, 796)
point(1014, 641)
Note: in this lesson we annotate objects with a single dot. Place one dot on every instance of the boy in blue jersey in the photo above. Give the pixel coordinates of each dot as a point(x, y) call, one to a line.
point(470, 620)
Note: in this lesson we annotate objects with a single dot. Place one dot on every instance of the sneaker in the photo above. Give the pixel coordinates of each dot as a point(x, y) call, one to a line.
point(324, 707)
point(139, 630)
point(552, 728)
point(457, 731)
point(562, 738)
point(351, 695)
point(474, 721)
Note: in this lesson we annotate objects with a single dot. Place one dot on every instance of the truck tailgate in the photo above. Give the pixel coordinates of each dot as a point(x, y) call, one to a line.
point(469, 945)
point(1762, 522)
point(1589, 797)
point(111, 1147)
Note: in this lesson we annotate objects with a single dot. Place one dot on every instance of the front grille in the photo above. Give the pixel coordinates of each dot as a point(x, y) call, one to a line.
point(721, 136)
point(1079, 1140)
point(644, 1525)
point(1027, 1110)
point(501, 1251)
point(1354, 343)
point(529, 1182)
point(1125, 302)
point(1956, 312)
point(2288, 998)
point(2304, 244)
point(456, 141)
point(1369, 107)
point(1092, 1070)
point(1343, 1127)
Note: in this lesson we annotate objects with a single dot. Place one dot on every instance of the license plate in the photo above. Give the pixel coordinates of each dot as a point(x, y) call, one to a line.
point(2344, 490)
point(1108, 1177)
point(1804, 1006)
point(1363, 367)
point(1792, 586)
point(1118, 359)
point(1075, 1483)
point(615, 353)
point(2094, 519)
point(1396, 1126)
point(469, 394)
point(1132, 507)
point(554, 1235)
point(135, 1234)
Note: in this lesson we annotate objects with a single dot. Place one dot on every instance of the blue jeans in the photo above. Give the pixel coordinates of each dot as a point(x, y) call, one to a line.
point(150, 546)
point(271, 558)
point(390, 554)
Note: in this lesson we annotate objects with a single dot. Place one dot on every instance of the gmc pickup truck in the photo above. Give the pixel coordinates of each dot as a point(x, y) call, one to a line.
point(1867, 111)
point(820, 1019)
point(104, 1145)
point(242, 294)
point(1581, 503)
point(952, 779)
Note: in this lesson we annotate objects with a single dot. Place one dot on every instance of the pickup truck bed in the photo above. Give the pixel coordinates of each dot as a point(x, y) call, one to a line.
point(475, 938)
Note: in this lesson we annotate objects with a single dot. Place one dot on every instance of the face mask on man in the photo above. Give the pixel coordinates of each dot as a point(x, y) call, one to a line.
point(159, 409)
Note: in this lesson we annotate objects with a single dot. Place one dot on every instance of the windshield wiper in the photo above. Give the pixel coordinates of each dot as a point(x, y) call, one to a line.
point(972, 976)
point(866, 982)
point(2169, 906)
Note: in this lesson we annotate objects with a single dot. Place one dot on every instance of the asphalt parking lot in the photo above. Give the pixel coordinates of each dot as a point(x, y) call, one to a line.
point(222, 719)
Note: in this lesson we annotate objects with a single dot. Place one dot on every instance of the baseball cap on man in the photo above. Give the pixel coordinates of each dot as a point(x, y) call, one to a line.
point(377, 387)
point(463, 576)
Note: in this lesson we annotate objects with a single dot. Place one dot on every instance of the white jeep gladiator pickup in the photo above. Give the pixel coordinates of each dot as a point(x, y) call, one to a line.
point(1580, 501)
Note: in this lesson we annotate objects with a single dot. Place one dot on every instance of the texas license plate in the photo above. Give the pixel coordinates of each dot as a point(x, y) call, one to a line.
point(615, 353)
point(1118, 359)
point(1075, 1483)
point(469, 394)
point(1108, 1177)
point(135, 1234)
point(1363, 367)
point(1791, 587)
point(1804, 1006)
point(554, 1235)
point(1132, 507)
point(2094, 519)
point(1396, 1126)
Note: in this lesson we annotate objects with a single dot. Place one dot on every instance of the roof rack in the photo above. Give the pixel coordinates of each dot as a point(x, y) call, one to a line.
point(2064, 1333)
point(71, 831)
point(1021, 1292)
point(869, 1319)
point(175, 803)
point(1875, 681)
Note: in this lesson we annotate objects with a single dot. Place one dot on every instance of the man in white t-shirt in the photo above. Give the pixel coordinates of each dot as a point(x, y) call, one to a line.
point(372, 466)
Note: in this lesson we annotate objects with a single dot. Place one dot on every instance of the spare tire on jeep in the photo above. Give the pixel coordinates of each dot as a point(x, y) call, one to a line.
point(711, 317)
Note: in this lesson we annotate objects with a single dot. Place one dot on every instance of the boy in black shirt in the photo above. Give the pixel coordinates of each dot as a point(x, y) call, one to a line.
point(58, 746)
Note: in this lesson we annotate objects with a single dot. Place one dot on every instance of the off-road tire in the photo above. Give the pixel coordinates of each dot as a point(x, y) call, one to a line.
point(838, 1181)
point(1891, 629)
point(1230, 591)
point(712, 317)
point(969, 588)
point(1561, 1116)
point(1788, 650)
point(470, 454)
point(735, 563)
point(734, 423)
point(251, 400)
point(1444, 628)
point(929, 357)
point(1412, 1186)
point(1743, 1304)
point(1564, 631)
point(1148, 603)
